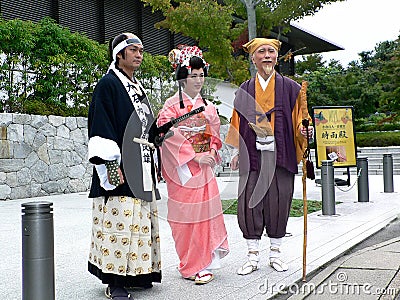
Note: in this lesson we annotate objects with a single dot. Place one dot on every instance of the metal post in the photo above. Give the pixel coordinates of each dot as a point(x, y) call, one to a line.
point(328, 187)
point(388, 173)
point(362, 182)
point(37, 251)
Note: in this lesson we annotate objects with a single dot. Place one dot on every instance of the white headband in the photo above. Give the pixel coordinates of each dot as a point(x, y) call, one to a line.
point(124, 44)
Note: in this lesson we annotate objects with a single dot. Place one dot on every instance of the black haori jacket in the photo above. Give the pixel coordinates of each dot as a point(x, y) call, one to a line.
point(112, 117)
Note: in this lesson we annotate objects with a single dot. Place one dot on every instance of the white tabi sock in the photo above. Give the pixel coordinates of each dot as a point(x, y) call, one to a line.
point(275, 247)
point(274, 255)
point(253, 247)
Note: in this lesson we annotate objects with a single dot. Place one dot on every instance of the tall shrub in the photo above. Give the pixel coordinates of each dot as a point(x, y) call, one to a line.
point(46, 69)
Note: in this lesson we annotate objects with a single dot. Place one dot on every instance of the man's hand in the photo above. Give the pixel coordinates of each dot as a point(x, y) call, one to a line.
point(235, 163)
point(303, 131)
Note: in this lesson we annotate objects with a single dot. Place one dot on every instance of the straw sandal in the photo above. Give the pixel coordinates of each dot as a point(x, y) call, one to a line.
point(249, 267)
point(278, 265)
point(203, 277)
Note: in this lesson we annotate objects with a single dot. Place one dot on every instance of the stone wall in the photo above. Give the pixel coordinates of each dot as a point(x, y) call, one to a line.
point(42, 155)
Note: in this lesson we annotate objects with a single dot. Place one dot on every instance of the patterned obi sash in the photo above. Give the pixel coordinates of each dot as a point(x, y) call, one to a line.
point(198, 148)
point(196, 130)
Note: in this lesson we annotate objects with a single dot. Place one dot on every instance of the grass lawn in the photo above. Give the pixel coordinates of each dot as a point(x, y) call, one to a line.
point(230, 207)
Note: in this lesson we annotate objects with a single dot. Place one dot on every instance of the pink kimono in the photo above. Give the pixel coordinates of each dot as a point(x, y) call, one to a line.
point(194, 205)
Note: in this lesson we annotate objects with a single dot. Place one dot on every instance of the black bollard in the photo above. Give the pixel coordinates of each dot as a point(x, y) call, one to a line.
point(37, 251)
point(388, 173)
point(328, 188)
point(362, 182)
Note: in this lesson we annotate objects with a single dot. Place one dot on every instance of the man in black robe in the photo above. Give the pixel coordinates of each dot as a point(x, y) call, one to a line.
point(125, 246)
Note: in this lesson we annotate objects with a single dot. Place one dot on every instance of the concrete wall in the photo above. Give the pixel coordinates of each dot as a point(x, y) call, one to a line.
point(42, 155)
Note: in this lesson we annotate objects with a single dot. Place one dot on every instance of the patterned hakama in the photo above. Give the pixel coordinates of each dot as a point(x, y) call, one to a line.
point(125, 249)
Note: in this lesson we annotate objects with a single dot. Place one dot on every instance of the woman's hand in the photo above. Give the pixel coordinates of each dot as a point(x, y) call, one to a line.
point(207, 159)
point(214, 153)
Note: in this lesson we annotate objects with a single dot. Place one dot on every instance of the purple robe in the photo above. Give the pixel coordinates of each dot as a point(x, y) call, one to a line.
point(266, 186)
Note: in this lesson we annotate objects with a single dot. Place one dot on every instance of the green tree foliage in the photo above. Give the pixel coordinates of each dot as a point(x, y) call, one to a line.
point(371, 85)
point(309, 63)
point(383, 66)
point(45, 69)
point(334, 85)
point(211, 24)
point(157, 77)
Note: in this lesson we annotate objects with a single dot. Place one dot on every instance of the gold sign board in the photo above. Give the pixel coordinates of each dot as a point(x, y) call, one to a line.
point(334, 135)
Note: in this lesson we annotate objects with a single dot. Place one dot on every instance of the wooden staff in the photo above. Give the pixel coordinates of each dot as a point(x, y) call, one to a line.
point(305, 212)
point(305, 123)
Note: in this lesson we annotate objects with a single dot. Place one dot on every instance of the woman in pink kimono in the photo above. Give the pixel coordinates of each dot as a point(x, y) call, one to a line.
point(188, 158)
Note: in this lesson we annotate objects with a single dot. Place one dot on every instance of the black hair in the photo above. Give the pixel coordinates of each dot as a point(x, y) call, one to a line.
point(195, 63)
point(182, 73)
point(113, 43)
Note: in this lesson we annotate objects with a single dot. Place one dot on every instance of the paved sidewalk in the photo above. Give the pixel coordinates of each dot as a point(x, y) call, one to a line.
point(328, 238)
point(370, 273)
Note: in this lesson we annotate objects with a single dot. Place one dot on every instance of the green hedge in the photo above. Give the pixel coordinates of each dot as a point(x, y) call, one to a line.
point(366, 127)
point(378, 139)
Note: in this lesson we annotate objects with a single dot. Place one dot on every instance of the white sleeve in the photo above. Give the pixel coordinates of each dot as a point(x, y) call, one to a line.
point(184, 173)
point(107, 150)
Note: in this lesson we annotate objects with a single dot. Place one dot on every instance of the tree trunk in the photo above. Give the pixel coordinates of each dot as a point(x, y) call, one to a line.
point(252, 27)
